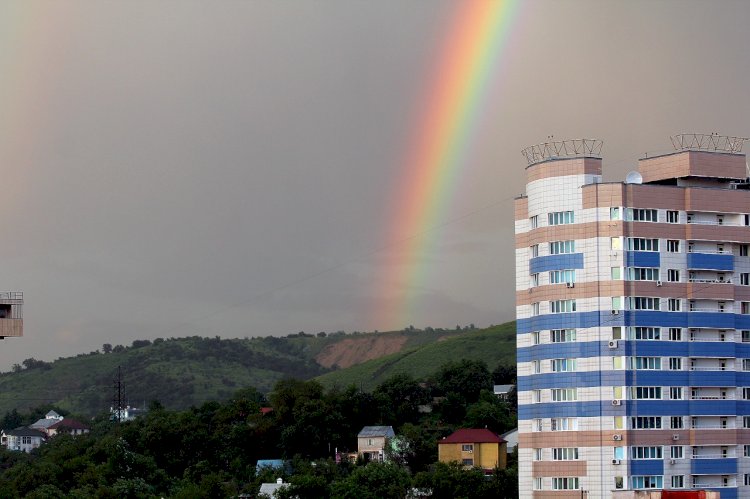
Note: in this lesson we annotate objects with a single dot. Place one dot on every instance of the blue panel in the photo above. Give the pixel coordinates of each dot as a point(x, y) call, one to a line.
point(682, 407)
point(726, 492)
point(642, 259)
point(713, 467)
point(556, 262)
point(710, 261)
point(712, 378)
point(712, 349)
point(563, 350)
point(657, 378)
point(569, 409)
point(646, 466)
point(720, 320)
point(571, 380)
point(646, 348)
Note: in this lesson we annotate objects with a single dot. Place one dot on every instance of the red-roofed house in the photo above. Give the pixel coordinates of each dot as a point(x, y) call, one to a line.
point(69, 426)
point(474, 447)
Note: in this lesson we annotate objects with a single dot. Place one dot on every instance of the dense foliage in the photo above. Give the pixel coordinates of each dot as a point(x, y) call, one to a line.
point(211, 450)
point(185, 372)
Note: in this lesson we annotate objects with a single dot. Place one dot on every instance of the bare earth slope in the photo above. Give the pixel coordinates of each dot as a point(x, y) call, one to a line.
point(351, 351)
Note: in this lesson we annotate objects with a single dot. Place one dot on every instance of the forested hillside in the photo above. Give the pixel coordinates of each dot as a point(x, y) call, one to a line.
point(185, 372)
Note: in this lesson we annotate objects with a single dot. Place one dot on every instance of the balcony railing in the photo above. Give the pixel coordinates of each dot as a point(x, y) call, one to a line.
point(710, 281)
point(11, 295)
point(711, 368)
point(714, 222)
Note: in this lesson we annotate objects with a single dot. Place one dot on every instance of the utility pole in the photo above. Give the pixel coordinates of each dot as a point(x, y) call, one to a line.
point(117, 395)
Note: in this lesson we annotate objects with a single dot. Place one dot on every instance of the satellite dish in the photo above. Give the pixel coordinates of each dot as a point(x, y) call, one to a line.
point(633, 178)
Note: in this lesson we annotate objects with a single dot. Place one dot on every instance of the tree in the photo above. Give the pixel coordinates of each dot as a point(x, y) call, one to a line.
point(373, 481)
point(107, 348)
point(399, 398)
point(466, 378)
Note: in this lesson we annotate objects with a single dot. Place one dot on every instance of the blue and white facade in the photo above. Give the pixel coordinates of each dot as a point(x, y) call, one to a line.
point(633, 321)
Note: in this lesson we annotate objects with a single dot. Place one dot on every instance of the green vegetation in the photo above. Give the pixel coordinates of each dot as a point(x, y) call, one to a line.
point(494, 345)
point(211, 450)
point(185, 372)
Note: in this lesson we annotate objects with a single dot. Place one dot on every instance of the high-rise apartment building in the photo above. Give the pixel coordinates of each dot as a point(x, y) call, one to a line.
point(633, 308)
point(11, 314)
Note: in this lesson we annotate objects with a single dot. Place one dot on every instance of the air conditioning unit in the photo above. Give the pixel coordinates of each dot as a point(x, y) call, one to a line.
point(615, 312)
point(615, 461)
point(570, 285)
point(676, 436)
point(658, 283)
point(616, 402)
point(617, 437)
point(612, 344)
point(671, 461)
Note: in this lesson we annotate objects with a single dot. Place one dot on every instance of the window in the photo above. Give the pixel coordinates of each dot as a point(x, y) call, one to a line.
point(617, 333)
point(746, 394)
point(563, 365)
point(745, 307)
point(648, 363)
point(535, 337)
point(467, 448)
point(642, 244)
point(673, 304)
point(745, 336)
point(645, 392)
point(744, 249)
point(616, 305)
point(654, 452)
point(746, 364)
point(564, 394)
point(643, 303)
point(468, 461)
point(535, 308)
point(746, 421)
point(562, 306)
point(535, 367)
point(562, 247)
point(644, 333)
point(647, 482)
point(675, 334)
point(560, 276)
point(619, 482)
point(534, 250)
point(675, 364)
point(645, 423)
point(533, 280)
point(536, 396)
point(565, 483)
point(678, 481)
point(537, 454)
point(615, 243)
point(673, 275)
point(564, 424)
point(618, 423)
point(642, 274)
point(534, 221)
point(641, 215)
point(673, 217)
point(746, 452)
point(616, 273)
point(614, 213)
point(675, 393)
point(537, 483)
point(673, 246)
point(536, 425)
point(745, 279)
point(676, 452)
point(562, 335)
point(565, 454)
point(747, 475)
point(675, 423)
point(560, 218)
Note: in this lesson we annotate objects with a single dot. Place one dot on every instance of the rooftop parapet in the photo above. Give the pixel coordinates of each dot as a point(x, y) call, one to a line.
point(563, 149)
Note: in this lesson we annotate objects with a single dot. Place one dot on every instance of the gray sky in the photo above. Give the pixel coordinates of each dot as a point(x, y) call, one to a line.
point(173, 168)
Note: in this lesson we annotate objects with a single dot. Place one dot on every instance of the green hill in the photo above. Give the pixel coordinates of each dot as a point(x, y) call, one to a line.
point(494, 345)
point(182, 372)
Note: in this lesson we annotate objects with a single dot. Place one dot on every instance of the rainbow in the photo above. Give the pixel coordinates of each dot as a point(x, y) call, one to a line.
point(436, 154)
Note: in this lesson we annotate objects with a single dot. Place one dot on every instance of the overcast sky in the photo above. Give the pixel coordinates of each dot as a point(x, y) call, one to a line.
point(172, 168)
